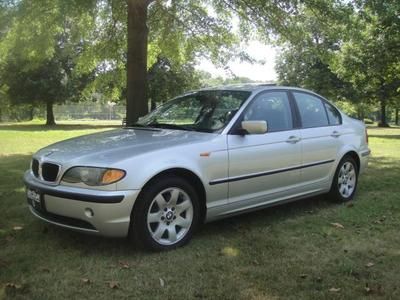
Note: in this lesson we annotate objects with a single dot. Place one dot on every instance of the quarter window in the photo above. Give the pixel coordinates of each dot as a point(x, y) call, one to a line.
point(333, 114)
point(312, 111)
point(272, 107)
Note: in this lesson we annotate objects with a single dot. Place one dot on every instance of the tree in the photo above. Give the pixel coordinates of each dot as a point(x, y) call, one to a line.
point(370, 57)
point(345, 50)
point(301, 67)
point(39, 50)
point(166, 80)
point(49, 83)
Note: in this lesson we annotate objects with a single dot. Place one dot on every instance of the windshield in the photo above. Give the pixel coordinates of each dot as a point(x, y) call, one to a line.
point(206, 111)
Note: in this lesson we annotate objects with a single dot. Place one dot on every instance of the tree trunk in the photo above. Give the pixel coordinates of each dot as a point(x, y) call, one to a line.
point(31, 113)
point(136, 102)
point(382, 122)
point(153, 105)
point(397, 116)
point(49, 113)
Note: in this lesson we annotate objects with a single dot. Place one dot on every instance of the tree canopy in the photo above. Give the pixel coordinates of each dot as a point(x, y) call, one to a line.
point(139, 50)
point(350, 52)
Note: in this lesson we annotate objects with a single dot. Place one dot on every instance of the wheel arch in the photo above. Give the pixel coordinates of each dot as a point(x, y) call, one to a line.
point(353, 154)
point(187, 175)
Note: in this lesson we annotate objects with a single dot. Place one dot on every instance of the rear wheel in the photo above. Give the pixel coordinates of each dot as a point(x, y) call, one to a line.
point(166, 214)
point(345, 180)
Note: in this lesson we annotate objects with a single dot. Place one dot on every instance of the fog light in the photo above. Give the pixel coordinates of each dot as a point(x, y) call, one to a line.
point(89, 212)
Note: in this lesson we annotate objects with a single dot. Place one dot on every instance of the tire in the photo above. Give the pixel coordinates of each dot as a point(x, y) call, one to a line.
point(166, 214)
point(345, 181)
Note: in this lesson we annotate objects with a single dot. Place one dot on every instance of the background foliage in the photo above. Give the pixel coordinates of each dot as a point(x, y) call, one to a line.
point(55, 51)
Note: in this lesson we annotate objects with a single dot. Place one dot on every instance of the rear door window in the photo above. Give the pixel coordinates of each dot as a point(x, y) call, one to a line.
point(311, 109)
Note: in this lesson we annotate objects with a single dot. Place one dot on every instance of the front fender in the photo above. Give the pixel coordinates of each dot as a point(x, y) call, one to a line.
point(140, 169)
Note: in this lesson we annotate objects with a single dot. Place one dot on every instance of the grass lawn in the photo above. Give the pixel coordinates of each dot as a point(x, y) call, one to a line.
point(287, 252)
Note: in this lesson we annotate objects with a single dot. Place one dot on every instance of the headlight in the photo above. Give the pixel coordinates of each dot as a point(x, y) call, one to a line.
point(93, 176)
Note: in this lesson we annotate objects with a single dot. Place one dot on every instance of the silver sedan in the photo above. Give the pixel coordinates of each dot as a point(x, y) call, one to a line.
point(206, 155)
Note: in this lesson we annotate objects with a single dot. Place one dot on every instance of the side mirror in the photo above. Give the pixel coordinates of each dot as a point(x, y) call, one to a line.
point(254, 127)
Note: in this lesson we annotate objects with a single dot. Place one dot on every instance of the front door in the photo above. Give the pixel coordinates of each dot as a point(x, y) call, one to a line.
point(265, 167)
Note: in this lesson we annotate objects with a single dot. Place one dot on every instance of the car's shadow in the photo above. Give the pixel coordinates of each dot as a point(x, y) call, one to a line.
point(89, 244)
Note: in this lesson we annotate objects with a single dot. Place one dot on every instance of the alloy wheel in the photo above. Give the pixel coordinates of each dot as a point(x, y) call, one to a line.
point(170, 216)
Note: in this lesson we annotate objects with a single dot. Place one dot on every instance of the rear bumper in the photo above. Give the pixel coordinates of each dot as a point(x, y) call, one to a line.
point(68, 207)
point(364, 157)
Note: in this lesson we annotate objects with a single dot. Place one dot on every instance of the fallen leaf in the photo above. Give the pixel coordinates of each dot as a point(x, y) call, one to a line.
point(12, 285)
point(86, 280)
point(379, 289)
point(3, 263)
point(44, 269)
point(9, 238)
point(124, 265)
point(337, 225)
point(113, 284)
point(370, 264)
point(18, 228)
point(162, 283)
point(355, 274)
point(334, 290)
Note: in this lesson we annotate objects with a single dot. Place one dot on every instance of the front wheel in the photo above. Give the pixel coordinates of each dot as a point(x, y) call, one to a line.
point(345, 180)
point(166, 214)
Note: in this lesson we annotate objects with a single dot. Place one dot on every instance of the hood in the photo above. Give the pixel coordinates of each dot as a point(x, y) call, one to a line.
point(116, 145)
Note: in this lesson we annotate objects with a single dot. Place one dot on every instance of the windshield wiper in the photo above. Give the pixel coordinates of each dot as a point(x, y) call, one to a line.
point(141, 126)
point(136, 125)
point(169, 126)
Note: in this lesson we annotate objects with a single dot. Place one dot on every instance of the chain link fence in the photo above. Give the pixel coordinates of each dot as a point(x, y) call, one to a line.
point(95, 111)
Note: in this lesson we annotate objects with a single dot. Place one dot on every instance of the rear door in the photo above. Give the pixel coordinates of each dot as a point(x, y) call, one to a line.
point(320, 134)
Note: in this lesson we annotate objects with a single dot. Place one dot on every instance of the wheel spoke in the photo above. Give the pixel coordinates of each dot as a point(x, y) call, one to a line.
point(174, 197)
point(183, 222)
point(161, 201)
point(171, 233)
point(180, 208)
point(342, 189)
point(159, 232)
point(154, 217)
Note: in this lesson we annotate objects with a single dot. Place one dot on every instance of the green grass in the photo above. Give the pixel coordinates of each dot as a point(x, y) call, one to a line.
point(286, 252)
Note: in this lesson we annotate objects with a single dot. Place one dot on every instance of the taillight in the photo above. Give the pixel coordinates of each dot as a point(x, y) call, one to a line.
point(366, 135)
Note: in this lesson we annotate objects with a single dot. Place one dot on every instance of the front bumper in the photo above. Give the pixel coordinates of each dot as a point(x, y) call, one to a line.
point(68, 207)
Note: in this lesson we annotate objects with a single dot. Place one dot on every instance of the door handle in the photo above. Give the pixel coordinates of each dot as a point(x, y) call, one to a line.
point(293, 139)
point(335, 134)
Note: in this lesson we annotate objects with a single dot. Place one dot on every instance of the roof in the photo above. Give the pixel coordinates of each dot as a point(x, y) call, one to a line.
point(250, 87)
